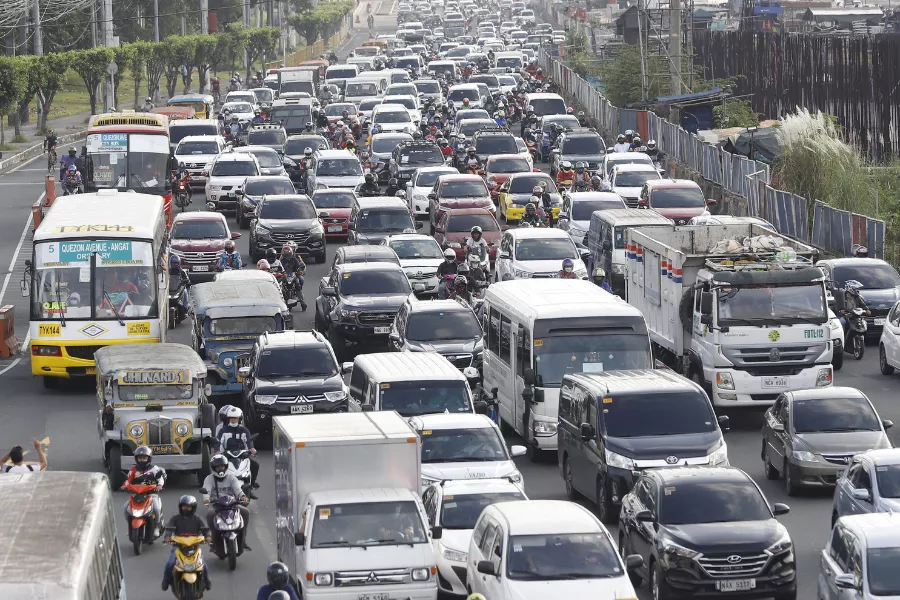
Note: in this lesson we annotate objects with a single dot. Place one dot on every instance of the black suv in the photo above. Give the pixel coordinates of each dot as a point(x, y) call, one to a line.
point(252, 192)
point(447, 327)
point(287, 218)
point(880, 287)
point(707, 531)
point(359, 304)
point(291, 373)
point(494, 141)
point(268, 135)
point(579, 145)
point(409, 156)
point(366, 253)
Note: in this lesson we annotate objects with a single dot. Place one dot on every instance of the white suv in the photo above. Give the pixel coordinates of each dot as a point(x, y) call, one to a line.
point(529, 252)
point(197, 151)
point(392, 118)
point(226, 173)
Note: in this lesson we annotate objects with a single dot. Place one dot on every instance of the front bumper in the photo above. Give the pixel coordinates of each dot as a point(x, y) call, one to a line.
point(426, 591)
point(817, 474)
point(336, 227)
point(261, 415)
point(776, 578)
point(169, 462)
point(222, 199)
point(359, 333)
point(424, 286)
point(750, 391)
point(452, 576)
point(70, 364)
point(312, 245)
point(420, 206)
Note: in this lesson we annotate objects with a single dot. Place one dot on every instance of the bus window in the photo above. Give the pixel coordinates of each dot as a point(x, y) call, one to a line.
point(523, 350)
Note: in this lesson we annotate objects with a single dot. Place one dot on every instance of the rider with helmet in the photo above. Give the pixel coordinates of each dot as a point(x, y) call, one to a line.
point(568, 269)
point(185, 523)
point(531, 216)
point(565, 174)
point(621, 144)
point(460, 291)
point(292, 263)
point(582, 119)
point(220, 483)
point(852, 300)
point(178, 277)
point(448, 267)
point(234, 436)
point(257, 117)
point(478, 275)
point(275, 265)
point(144, 472)
point(370, 187)
point(599, 279)
point(446, 150)
point(476, 245)
point(473, 163)
point(73, 180)
point(582, 177)
point(596, 183)
point(859, 251)
point(263, 265)
point(636, 144)
point(629, 136)
point(393, 187)
point(230, 258)
point(653, 151)
point(147, 106)
point(279, 580)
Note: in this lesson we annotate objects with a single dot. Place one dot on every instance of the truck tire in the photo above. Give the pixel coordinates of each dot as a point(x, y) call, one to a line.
point(686, 309)
point(114, 468)
point(204, 470)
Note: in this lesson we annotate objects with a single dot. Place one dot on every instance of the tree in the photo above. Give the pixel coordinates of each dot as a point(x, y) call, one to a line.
point(135, 64)
point(32, 84)
point(52, 69)
point(91, 67)
point(261, 43)
point(124, 55)
point(204, 48)
point(13, 84)
point(155, 62)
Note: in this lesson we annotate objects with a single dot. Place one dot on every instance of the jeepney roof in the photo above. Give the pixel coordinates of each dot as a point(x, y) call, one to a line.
point(106, 214)
point(236, 298)
point(148, 357)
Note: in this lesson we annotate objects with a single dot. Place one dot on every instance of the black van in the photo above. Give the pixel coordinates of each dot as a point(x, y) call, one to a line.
point(613, 425)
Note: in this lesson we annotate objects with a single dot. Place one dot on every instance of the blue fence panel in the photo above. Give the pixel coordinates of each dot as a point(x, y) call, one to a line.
point(628, 119)
point(875, 234)
point(841, 231)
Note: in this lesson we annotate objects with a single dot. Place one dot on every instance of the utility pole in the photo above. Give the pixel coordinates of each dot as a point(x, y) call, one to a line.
point(246, 6)
point(93, 23)
point(106, 20)
point(204, 16)
point(38, 39)
point(675, 46)
point(155, 20)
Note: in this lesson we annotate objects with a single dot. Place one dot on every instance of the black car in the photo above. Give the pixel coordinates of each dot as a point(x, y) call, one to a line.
point(252, 192)
point(373, 219)
point(359, 304)
point(494, 141)
point(409, 156)
point(580, 145)
point(269, 135)
point(294, 148)
point(447, 327)
point(707, 532)
point(283, 219)
point(291, 373)
point(880, 287)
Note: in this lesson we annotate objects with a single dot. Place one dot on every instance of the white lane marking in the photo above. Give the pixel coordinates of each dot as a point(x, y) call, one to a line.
point(12, 265)
point(10, 365)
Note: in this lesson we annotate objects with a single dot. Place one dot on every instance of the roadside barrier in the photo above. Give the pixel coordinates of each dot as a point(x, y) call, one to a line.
point(45, 200)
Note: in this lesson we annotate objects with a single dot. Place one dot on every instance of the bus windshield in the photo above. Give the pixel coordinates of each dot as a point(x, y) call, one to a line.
point(124, 161)
point(93, 279)
point(592, 352)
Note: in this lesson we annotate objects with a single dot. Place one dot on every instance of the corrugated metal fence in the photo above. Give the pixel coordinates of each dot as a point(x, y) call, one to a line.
point(744, 183)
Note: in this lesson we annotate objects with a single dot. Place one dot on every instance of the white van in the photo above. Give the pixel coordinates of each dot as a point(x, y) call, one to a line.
point(360, 89)
point(365, 63)
point(538, 330)
point(339, 74)
point(510, 60)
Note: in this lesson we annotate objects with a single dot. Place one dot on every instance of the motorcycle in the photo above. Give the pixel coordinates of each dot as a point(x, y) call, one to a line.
point(229, 525)
point(183, 192)
point(71, 188)
point(289, 288)
point(141, 526)
point(188, 572)
point(177, 311)
point(446, 285)
point(855, 339)
point(239, 465)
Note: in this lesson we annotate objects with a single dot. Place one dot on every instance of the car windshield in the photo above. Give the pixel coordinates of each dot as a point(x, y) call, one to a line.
point(139, 393)
point(548, 106)
point(524, 185)
point(339, 167)
point(333, 198)
point(834, 415)
point(638, 159)
point(297, 362)
point(436, 326)
point(881, 571)
point(513, 62)
point(417, 248)
point(562, 556)
point(422, 156)
point(199, 230)
point(462, 511)
point(486, 145)
point(458, 95)
point(386, 145)
point(296, 147)
point(461, 223)
point(266, 137)
point(190, 148)
point(463, 189)
point(266, 157)
point(462, 445)
point(427, 178)
point(358, 89)
point(428, 87)
point(368, 105)
point(872, 276)
point(468, 127)
point(238, 107)
point(488, 80)
point(340, 73)
point(243, 326)
point(234, 168)
point(761, 304)
point(336, 110)
point(270, 186)
point(689, 197)
point(653, 414)
point(264, 95)
point(373, 283)
point(584, 144)
point(507, 165)
point(287, 209)
point(404, 102)
point(474, 113)
point(401, 89)
point(689, 503)
point(363, 524)
point(556, 356)
point(545, 249)
point(384, 220)
point(392, 116)
point(583, 209)
point(635, 179)
point(411, 398)
point(178, 133)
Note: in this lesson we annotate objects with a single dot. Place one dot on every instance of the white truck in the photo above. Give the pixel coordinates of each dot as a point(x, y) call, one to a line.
point(737, 308)
point(292, 79)
point(350, 524)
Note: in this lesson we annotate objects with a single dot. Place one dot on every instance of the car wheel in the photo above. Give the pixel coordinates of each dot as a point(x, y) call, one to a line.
point(886, 369)
point(319, 258)
point(772, 473)
point(790, 486)
point(837, 359)
point(792, 595)
point(657, 584)
point(606, 511)
point(571, 492)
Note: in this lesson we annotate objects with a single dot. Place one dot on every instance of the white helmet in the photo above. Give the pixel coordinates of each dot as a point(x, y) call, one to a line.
point(234, 413)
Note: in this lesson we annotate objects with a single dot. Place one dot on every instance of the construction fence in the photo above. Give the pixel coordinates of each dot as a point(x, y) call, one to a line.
point(295, 59)
point(739, 184)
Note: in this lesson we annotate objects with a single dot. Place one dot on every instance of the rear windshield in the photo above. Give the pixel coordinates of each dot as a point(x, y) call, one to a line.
point(333, 198)
point(381, 220)
point(677, 198)
point(586, 144)
point(495, 144)
point(427, 178)
point(509, 61)
point(404, 102)
point(269, 137)
point(298, 146)
point(460, 95)
point(639, 159)
point(345, 73)
point(234, 168)
point(189, 148)
point(582, 211)
point(383, 145)
point(269, 186)
point(524, 185)
point(421, 157)
point(489, 80)
point(392, 116)
point(339, 167)
point(635, 178)
point(428, 87)
point(360, 89)
point(548, 106)
point(176, 134)
point(872, 276)
point(463, 189)
point(508, 165)
point(460, 223)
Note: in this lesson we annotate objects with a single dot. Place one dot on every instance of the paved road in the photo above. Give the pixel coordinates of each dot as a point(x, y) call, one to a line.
point(68, 417)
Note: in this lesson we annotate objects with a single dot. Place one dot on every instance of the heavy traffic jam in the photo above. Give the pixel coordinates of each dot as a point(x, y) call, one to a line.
point(499, 280)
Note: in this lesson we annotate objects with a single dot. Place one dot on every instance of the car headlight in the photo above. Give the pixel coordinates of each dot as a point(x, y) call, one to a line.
point(784, 543)
point(426, 480)
point(618, 269)
point(523, 274)
point(719, 456)
point(182, 429)
point(227, 361)
point(136, 431)
point(317, 230)
point(724, 381)
point(804, 456)
point(675, 551)
point(824, 377)
point(834, 325)
point(262, 229)
point(335, 396)
point(577, 231)
point(454, 555)
point(265, 399)
point(618, 461)
point(544, 428)
point(290, 162)
point(322, 579)
point(420, 198)
point(349, 314)
point(421, 574)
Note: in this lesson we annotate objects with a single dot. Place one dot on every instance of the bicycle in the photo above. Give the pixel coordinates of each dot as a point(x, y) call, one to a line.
point(51, 160)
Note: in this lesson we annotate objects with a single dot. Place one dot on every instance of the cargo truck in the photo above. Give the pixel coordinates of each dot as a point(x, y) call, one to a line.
point(737, 308)
point(349, 521)
point(297, 79)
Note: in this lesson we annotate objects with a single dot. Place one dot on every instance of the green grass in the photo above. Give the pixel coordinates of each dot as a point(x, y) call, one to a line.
point(73, 98)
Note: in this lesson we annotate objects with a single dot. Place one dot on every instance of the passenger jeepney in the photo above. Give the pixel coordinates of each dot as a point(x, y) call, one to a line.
point(227, 317)
point(175, 113)
point(153, 396)
point(203, 104)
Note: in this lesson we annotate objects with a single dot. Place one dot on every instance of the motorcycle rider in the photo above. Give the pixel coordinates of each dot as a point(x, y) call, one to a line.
point(500, 119)
point(144, 472)
point(582, 119)
point(582, 177)
point(321, 118)
point(278, 578)
point(528, 120)
point(185, 523)
point(235, 436)
point(275, 265)
point(72, 180)
point(599, 279)
point(476, 245)
point(596, 183)
point(179, 277)
point(223, 418)
point(636, 144)
point(461, 292)
point(652, 151)
point(234, 128)
point(860, 251)
point(392, 188)
point(67, 161)
point(448, 267)
point(478, 276)
point(473, 163)
point(220, 479)
point(446, 150)
point(263, 265)
point(565, 174)
point(621, 144)
point(629, 136)
point(568, 269)
point(370, 187)
point(257, 117)
point(230, 258)
point(292, 263)
point(531, 216)
point(147, 106)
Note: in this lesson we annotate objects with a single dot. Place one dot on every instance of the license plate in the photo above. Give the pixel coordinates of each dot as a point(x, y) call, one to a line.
point(382, 330)
point(301, 409)
point(231, 195)
point(879, 321)
point(374, 597)
point(736, 585)
point(90, 370)
point(419, 287)
point(774, 382)
point(335, 229)
point(201, 268)
point(164, 449)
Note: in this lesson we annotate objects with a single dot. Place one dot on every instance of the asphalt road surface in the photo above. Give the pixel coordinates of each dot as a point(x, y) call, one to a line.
point(68, 417)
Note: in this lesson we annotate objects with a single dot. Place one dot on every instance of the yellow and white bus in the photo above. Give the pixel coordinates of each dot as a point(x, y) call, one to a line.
point(97, 277)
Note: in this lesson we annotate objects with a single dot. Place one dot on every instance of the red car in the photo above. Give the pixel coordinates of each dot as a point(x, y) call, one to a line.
point(456, 226)
point(333, 206)
point(499, 167)
point(198, 238)
point(678, 199)
point(451, 192)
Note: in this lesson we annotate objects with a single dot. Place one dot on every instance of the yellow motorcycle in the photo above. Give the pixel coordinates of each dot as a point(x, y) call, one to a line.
point(188, 573)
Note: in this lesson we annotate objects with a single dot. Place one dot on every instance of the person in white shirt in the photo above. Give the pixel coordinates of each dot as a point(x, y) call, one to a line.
point(16, 456)
point(622, 144)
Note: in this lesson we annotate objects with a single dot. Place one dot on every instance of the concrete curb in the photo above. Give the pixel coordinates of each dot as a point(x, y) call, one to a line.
point(38, 149)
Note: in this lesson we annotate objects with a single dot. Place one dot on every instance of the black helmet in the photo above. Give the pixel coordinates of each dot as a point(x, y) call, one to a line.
point(143, 452)
point(370, 178)
point(229, 246)
point(392, 181)
point(271, 254)
point(190, 502)
point(476, 229)
point(279, 595)
point(462, 269)
point(277, 575)
point(461, 282)
point(530, 209)
point(219, 466)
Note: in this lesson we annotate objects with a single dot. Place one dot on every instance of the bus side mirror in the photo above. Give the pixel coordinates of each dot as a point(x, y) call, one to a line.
point(706, 303)
point(25, 289)
point(299, 538)
point(528, 376)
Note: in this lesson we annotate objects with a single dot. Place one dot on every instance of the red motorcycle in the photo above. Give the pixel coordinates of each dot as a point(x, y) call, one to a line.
point(183, 192)
point(142, 526)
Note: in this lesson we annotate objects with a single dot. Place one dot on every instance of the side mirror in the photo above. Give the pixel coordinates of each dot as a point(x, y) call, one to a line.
point(644, 516)
point(394, 337)
point(367, 408)
point(238, 192)
point(555, 151)
point(887, 423)
point(528, 375)
point(779, 427)
point(706, 303)
point(323, 215)
point(437, 532)
point(26, 291)
point(486, 567)
point(329, 291)
point(481, 407)
point(535, 170)
point(710, 201)
point(203, 490)
point(432, 196)
point(706, 319)
point(587, 432)
point(633, 562)
point(642, 203)
point(517, 450)
point(844, 581)
point(351, 226)
point(419, 224)
point(346, 367)
point(724, 423)
point(244, 371)
point(502, 228)
point(299, 538)
point(862, 494)
point(780, 509)
point(585, 254)
point(439, 230)
point(235, 235)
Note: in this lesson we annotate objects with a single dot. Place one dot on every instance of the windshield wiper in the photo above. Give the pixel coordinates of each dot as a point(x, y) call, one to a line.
point(333, 543)
point(578, 575)
point(538, 577)
point(842, 429)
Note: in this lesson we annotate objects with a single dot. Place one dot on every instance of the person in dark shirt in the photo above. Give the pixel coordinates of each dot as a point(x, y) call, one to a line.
point(185, 523)
point(279, 581)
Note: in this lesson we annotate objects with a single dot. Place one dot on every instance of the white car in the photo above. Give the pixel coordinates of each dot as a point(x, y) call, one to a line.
point(522, 150)
point(420, 256)
point(421, 184)
point(242, 110)
point(241, 96)
point(612, 159)
point(577, 208)
point(393, 118)
point(858, 560)
point(460, 92)
point(508, 83)
point(197, 151)
point(526, 17)
point(402, 89)
point(628, 179)
point(334, 169)
point(454, 506)
point(410, 103)
point(889, 345)
point(507, 27)
point(528, 549)
point(464, 446)
point(527, 252)
point(226, 173)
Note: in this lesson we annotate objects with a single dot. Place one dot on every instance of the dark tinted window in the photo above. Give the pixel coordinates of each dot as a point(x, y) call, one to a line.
point(269, 137)
point(176, 134)
point(392, 116)
point(297, 146)
point(888, 477)
point(416, 248)
point(508, 165)
point(428, 87)
point(345, 73)
point(459, 95)
point(567, 121)
point(834, 414)
point(882, 572)
point(367, 105)
point(871, 276)
point(266, 157)
point(489, 80)
point(635, 178)
point(234, 168)
point(548, 106)
point(427, 178)
point(189, 148)
point(333, 198)
point(287, 208)
point(677, 198)
point(336, 110)
point(198, 230)
point(562, 557)
point(461, 511)
point(644, 415)
point(461, 223)
point(385, 220)
point(383, 145)
point(584, 144)
point(583, 209)
point(463, 189)
point(368, 283)
point(524, 185)
point(715, 502)
point(495, 144)
point(421, 156)
point(437, 326)
point(545, 249)
point(269, 185)
point(470, 126)
point(339, 167)
point(594, 351)
point(297, 362)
